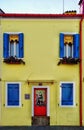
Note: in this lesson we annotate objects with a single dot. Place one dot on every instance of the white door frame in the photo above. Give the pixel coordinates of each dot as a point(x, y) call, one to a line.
point(48, 99)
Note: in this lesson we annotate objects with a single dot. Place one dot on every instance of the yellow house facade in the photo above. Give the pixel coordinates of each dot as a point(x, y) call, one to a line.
point(41, 70)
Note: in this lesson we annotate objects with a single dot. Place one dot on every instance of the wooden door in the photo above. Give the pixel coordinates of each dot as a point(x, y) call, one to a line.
point(40, 101)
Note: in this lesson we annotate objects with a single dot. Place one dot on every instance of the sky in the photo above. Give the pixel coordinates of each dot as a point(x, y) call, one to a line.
point(38, 6)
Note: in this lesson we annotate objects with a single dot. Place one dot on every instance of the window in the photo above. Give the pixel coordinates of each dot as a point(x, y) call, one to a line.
point(13, 45)
point(67, 94)
point(68, 50)
point(69, 45)
point(13, 94)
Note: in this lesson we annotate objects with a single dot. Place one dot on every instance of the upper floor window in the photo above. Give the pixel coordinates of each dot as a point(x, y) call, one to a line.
point(69, 45)
point(13, 45)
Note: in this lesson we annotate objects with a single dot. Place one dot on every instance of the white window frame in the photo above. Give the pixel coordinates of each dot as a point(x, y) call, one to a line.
point(6, 97)
point(73, 94)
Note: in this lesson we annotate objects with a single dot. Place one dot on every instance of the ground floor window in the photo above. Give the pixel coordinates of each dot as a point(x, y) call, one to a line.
point(13, 94)
point(67, 94)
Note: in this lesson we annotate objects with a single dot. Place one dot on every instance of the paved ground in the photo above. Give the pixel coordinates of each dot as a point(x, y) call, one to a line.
point(43, 128)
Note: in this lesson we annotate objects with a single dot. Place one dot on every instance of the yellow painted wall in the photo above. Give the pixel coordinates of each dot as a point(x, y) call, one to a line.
point(41, 55)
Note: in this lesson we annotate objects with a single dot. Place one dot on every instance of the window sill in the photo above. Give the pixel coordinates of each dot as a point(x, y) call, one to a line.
point(69, 60)
point(13, 60)
point(67, 106)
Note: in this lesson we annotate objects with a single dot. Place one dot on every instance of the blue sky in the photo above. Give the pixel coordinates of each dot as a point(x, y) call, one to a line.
point(38, 6)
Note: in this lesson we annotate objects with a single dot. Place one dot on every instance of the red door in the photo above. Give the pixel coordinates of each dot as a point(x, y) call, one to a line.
point(40, 101)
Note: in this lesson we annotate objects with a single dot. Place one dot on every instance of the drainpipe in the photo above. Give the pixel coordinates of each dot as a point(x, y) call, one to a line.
point(80, 70)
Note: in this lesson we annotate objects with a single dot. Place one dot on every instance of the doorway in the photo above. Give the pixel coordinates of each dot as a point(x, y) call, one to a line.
point(40, 105)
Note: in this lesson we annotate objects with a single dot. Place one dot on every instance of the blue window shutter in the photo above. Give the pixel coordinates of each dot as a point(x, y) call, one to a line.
point(61, 45)
point(21, 45)
point(76, 45)
point(67, 94)
point(13, 95)
point(5, 45)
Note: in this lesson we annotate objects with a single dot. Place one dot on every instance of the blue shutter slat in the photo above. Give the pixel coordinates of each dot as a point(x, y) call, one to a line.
point(21, 45)
point(61, 45)
point(76, 38)
point(5, 45)
point(16, 90)
point(16, 95)
point(10, 95)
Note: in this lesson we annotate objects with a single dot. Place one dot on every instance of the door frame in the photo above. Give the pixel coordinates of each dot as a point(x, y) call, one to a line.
point(48, 99)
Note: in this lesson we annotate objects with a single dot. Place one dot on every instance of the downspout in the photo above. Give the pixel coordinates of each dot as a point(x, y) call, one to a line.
point(80, 70)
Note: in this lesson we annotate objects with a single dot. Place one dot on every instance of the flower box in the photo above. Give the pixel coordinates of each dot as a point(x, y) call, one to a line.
point(69, 60)
point(13, 60)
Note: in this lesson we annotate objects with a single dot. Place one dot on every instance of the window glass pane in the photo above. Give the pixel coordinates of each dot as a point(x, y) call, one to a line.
point(13, 95)
point(67, 94)
point(11, 49)
point(70, 51)
point(17, 50)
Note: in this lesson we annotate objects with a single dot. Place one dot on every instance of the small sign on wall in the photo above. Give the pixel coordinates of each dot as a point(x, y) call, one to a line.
point(27, 96)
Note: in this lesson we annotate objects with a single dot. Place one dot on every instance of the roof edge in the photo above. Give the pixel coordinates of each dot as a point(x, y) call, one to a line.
point(15, 15)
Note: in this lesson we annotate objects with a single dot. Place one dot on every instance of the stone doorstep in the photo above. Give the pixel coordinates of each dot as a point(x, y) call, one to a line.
point(41, 120)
